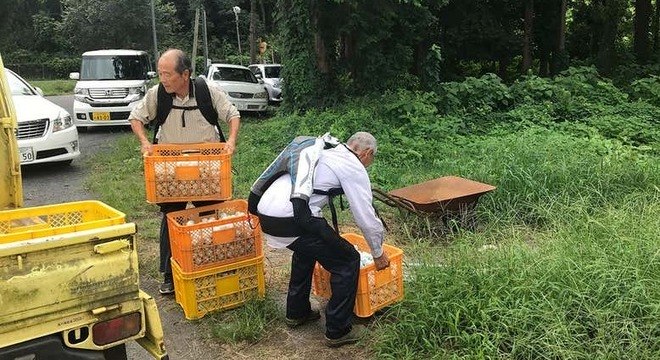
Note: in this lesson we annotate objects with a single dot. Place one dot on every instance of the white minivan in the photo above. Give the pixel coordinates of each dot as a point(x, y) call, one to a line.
point(110, 83)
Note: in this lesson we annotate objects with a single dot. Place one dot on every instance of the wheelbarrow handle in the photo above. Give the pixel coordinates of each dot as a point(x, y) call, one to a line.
point(392, 201)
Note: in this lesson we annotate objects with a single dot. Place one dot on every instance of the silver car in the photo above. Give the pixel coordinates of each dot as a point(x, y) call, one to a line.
point(270, 74)
point(243, 89)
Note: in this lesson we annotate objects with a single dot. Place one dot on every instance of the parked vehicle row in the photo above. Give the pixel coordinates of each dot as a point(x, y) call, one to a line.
point(109, 85)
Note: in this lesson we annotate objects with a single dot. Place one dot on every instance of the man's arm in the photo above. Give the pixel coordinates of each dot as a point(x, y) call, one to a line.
point(140, 115)
point(139, 130)
point(227, 112)
point(234, 125)
point(357, 188)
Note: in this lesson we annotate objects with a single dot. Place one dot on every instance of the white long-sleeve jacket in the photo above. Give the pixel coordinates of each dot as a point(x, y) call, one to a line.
point(338, 167)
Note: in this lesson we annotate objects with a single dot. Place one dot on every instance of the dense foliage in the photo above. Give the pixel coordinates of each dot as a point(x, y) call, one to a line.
point(338, 49)
point(564, 262)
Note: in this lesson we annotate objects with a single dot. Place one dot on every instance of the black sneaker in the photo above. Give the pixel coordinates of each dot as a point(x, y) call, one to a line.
point(312, 316)
point(166, 288)
point(356, 333)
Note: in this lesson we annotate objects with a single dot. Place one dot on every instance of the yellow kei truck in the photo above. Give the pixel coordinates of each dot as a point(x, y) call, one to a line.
point(69, 281)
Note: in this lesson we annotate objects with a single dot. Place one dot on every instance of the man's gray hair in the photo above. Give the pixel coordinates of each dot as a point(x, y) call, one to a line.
point(182, 60)
point(362, 141)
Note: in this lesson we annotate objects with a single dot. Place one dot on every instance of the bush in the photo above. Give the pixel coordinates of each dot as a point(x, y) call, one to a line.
point(474, 95)
point(647, 89)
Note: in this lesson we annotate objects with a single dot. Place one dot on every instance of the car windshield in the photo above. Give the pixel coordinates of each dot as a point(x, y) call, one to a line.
point(234, 74)
point(273, 71)
point(118, 67)
point(17, 85)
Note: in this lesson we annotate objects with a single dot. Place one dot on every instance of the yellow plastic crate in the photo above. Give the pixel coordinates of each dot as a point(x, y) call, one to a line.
point(376, 289)
point(33, 222)
point(220, 288)
point(228, 234)
point(188, 172)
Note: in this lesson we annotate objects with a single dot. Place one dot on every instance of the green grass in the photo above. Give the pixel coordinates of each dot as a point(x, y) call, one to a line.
point(54, 87)
point(247, 323)
point(565, 265)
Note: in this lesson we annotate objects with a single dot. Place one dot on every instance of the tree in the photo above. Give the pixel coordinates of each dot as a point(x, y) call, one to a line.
point(253, 31)
point(528, 36)
point(98, 24)
point(608, 15)
point(642, 44)
point(559, 56)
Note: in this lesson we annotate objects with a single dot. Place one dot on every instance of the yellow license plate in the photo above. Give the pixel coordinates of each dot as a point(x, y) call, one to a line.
point(101, 116)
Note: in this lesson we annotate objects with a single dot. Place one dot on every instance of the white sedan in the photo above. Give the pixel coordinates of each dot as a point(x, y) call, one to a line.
point(45, 130)
point(243, 89)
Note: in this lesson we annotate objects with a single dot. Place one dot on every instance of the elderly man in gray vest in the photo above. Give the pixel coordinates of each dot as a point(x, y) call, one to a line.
point(184, 124)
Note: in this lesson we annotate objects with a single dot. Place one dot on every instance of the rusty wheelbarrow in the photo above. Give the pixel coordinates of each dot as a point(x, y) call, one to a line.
point(451, 199)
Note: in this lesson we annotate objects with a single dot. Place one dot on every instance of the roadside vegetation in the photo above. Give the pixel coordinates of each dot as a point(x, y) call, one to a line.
point(54, 87)
point(565, 260)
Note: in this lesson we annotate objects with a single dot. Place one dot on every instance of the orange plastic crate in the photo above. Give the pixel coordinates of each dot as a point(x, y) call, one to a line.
point(187, 172)
point(376, 289)
point(203, 245)
point(219, 288)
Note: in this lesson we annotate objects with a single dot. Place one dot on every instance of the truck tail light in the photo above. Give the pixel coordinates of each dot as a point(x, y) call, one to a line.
point(109, 331)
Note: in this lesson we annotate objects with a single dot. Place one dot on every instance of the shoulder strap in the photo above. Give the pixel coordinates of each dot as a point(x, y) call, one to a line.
point(205, 104)
point(332, 193)
point(163, 107)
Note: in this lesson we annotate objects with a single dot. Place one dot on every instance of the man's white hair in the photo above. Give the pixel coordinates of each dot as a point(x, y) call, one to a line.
point(362, 141)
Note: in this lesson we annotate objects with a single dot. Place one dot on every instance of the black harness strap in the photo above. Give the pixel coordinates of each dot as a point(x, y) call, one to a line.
point(332, 193)
point(198, 90)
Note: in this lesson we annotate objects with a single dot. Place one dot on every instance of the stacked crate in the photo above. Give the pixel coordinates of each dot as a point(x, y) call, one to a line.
point(217, 254)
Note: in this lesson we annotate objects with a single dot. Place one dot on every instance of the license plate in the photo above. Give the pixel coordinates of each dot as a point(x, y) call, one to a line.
point(101, 116)
point(26, 155)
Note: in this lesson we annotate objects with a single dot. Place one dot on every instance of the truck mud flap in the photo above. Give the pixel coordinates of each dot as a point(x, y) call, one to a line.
point(152, 341)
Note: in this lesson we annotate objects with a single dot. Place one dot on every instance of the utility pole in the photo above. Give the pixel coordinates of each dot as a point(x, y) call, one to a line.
point(253, 35)
point(205, 39)
point(194, 51)
point(237, 10)
point(153, 30)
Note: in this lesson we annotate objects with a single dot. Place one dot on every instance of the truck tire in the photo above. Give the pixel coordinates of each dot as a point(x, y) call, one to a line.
point(116, 353)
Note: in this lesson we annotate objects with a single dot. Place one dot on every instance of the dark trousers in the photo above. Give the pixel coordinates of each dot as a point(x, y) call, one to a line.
point(165, 250)
point(338, 257)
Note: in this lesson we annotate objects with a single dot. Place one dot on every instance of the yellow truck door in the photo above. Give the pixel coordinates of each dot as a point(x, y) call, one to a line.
point(10, 167)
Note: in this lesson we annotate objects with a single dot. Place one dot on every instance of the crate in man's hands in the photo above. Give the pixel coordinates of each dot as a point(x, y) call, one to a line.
point(187, 172)
point(376, 288)
point(219, 234)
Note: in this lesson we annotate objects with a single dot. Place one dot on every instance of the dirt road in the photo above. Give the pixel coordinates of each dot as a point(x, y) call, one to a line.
point(185, 340)
point(50, 184)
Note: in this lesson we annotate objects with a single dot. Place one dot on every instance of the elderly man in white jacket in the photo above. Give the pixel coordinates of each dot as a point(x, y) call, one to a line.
point(312, 239)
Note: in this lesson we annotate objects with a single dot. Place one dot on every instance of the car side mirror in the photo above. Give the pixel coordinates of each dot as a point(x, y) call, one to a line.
point(39, 91)
point(151, 74)
point(74, 75)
